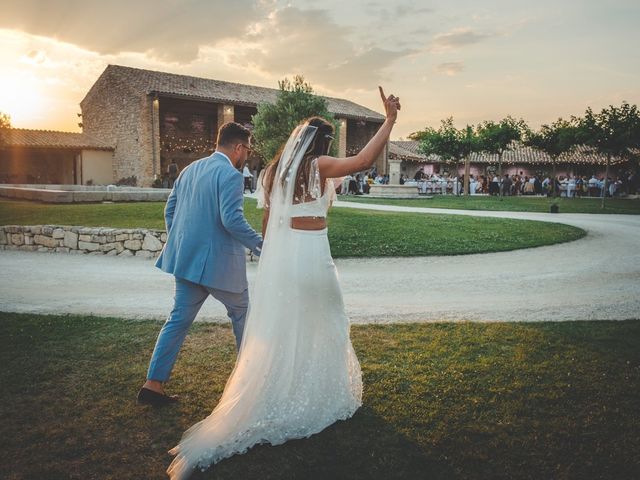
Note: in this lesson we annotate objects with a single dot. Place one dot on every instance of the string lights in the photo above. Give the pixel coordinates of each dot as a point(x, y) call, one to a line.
point(174, 143)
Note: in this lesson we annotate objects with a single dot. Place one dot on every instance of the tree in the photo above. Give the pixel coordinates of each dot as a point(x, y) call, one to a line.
point(444, 142)
point(495, 138)
point(449, 143)
point(614, 132)
point(5, 124)
point(556, 139)
point(273, 123)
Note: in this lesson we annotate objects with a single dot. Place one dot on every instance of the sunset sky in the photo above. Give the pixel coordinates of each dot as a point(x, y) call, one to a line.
point(467, 59)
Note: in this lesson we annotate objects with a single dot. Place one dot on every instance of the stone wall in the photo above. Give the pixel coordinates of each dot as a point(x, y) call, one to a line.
point(113, 112)
point(124, 242)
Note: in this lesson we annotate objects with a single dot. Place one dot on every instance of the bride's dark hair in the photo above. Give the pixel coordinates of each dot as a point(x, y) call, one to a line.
point(319, 146)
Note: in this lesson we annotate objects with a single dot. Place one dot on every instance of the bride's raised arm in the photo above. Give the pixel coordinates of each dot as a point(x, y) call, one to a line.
point(332, 167)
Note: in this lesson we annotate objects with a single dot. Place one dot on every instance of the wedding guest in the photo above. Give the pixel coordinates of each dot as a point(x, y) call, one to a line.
point(494, 186)
point(473, 185)
point(482, 182)
point(346, 181)
point(537, 185)
point(248, 179)
point(172, 173)
point(579, 186)
point(517, 185)
point(528, 186)
point(594, 186)
point(613, 187)
point(507, 185)
point(571, 187)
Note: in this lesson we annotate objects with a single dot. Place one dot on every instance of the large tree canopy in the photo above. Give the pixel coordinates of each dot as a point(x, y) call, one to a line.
point(555, 139)
point(560, 137)
point(273, 123)
point(495, 138)
point(447, 142)
point(614, 132)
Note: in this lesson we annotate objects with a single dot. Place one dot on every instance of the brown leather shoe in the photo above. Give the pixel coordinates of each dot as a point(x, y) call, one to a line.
point(149, 397)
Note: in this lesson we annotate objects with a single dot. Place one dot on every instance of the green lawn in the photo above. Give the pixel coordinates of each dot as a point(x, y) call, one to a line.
point(514, 204)
point(352, 233)
point(441, 401)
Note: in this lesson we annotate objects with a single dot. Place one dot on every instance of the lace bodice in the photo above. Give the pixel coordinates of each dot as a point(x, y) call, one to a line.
point(317, 207)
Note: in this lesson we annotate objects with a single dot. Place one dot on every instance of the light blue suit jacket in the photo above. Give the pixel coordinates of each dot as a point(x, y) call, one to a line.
point(206, 229)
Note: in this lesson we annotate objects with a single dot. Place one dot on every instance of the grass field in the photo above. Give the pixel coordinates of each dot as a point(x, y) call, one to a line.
point(352, 233)
point(441, 401)
point(514, 204)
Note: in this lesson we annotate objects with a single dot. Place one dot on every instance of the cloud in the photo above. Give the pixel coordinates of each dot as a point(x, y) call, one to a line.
point(455, 39)
point(310, 43)
point(450, 68)
point(410, 9)
point(165, 29)
point(395, 12)
point(247, 34)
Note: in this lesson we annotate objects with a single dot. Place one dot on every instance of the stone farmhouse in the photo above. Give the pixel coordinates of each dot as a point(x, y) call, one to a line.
point(136, 122)
point(154, 118)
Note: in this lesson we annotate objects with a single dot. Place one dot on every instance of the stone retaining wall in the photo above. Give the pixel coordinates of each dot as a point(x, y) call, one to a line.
point(124, 242)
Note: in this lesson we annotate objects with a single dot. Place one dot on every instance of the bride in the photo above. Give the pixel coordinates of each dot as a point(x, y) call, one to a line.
point(296, 371)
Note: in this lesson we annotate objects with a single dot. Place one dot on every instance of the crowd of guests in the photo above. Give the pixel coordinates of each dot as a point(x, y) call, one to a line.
point(434, 183)
point(566, 186)
point(626, 183)
point(361, 183)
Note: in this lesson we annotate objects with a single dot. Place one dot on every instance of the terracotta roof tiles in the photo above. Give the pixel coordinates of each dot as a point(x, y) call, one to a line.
point(520, 154)
point(149, 81)
point(22, 137)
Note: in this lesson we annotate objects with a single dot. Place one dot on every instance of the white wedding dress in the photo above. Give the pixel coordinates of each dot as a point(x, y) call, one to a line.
point(296, 371)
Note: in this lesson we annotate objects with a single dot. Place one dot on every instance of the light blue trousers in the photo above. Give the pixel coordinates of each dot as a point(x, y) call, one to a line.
point(188, 299)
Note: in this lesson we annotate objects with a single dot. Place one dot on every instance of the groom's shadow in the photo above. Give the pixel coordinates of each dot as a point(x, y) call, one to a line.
point(365, 446)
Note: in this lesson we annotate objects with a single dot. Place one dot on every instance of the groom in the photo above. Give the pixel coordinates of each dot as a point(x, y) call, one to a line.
point(205, 250)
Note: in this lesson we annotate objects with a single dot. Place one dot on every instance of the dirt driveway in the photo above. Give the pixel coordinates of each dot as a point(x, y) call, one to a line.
point(596, 277)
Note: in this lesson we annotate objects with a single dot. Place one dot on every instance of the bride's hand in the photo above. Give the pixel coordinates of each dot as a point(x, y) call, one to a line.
point(391, 105)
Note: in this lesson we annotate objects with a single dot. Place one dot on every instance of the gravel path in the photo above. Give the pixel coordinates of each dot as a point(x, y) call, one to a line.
point(596, 277)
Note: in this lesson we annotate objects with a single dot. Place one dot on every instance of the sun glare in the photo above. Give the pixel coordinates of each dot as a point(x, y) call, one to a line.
point(21, 97)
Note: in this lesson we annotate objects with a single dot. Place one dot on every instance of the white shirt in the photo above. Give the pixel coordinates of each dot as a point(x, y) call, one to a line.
point(246, 173)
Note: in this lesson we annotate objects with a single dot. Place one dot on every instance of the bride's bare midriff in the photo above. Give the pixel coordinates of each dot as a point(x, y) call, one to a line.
point(308, 223)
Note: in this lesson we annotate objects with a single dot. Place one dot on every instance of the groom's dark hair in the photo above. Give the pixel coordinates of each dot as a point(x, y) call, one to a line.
point(232, 133)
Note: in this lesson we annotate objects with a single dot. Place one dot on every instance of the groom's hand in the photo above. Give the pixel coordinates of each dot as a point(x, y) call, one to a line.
point(258, 250)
